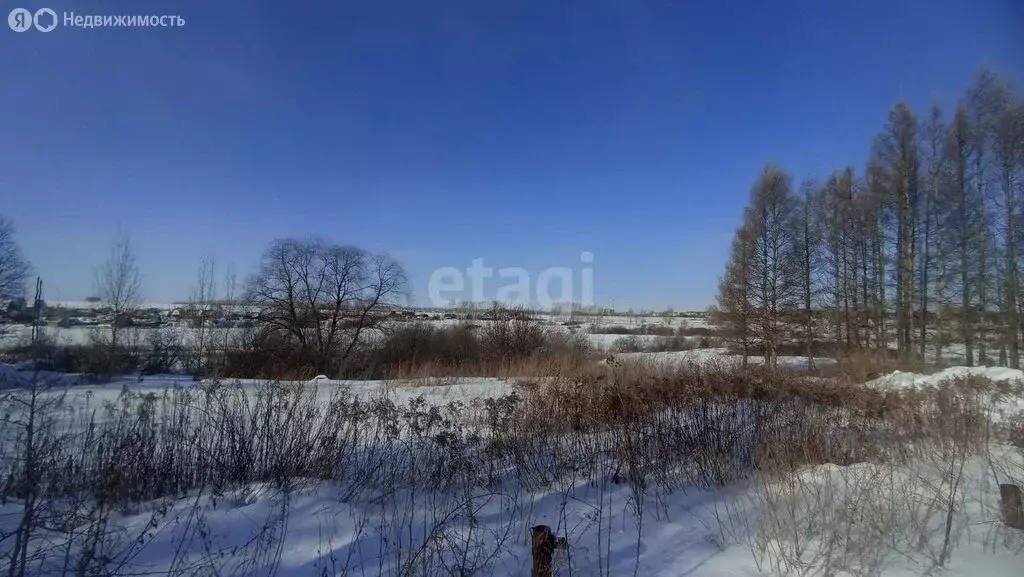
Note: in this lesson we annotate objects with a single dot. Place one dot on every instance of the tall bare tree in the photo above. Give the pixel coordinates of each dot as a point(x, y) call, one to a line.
point(771, 220)
point(895, 160)
point(1009, 148)
point(806, 251)
point(932, 277)
point(835, 220)
point(733, 311)
point(985, 100)
point(960, 224)
point(14, 269)
point(202, 302)
point(119, 284)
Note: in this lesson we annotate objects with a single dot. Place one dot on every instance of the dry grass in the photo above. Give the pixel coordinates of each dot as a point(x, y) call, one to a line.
point(651, 427)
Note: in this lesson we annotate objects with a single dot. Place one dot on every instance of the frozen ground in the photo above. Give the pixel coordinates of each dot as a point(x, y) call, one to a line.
point(313, 531)
point(16, 334)
point(904, 380)
point(744, 529)
point(466, 390)
point(857, 520)
point(719, 356)
point(1002, 406)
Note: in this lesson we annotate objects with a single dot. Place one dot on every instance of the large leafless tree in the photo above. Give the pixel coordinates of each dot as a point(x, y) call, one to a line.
point(323, 298)
point(1010, 157)
point(895, 165)
point(771, 219)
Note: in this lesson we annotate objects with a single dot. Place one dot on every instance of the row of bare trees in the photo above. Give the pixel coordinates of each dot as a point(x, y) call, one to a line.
point(917, 253)
point(313, 302)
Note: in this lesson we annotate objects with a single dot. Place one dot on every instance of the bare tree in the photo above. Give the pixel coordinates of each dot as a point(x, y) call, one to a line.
point(771, 220)
point(933, 134)
point(204, 293)
point(959, 224)
point(733, 312)
point(807, 246)
point(984, 102)
point(1010, 156)
point(231, 307)
point(323, 298)
point(119, 284)
point(895, 164)
point(833, 219)
point(14, 269)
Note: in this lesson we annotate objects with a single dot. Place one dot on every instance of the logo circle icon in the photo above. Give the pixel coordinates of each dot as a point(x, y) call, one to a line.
point(43, 12)
point(21, 19)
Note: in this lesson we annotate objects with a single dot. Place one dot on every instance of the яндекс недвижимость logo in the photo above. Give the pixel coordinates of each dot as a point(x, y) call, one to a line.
point(21, 19)
point(45, 20)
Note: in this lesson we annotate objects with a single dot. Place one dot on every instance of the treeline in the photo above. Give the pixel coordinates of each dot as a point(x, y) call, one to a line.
point(915, 253)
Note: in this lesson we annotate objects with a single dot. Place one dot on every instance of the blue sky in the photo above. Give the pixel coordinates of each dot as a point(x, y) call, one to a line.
point(521, 132)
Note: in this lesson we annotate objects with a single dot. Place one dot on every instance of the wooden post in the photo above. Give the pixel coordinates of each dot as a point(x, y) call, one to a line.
point(1011, 506)
point(543, 548)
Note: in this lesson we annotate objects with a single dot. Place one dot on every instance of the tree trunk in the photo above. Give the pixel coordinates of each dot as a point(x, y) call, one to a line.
point(1010, 298)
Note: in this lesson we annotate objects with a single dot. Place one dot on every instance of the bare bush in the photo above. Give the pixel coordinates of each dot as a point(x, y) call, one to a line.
point(422, 472)
point(119, 284)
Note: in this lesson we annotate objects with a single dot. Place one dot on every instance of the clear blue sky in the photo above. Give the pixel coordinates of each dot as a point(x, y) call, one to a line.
point(522, 132)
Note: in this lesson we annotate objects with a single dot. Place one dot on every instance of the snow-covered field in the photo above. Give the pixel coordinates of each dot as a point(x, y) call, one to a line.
point(16, 334)
point(716, 356)
point(400, 392)
point(1001, 406)
point(904, 380)
point(84, 335)
point(858, 519)
point(256, 530)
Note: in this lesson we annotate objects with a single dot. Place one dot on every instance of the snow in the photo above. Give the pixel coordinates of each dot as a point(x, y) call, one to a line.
point(714, 356)
point(321, 528)
point(316, 529)
point(1001, 407)
point(904, 380)
point(401, 392)
point(603, 342)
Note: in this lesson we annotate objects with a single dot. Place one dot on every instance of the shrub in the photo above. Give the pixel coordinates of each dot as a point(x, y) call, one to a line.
point(629, 344)
point(422, 343)
point(512, 337)
point(658, 330)
point(695, 331)
point(633, 344)
point(162, 352)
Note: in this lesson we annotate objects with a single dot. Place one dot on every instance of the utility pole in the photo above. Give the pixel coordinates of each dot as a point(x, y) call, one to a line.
point(37, 312)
